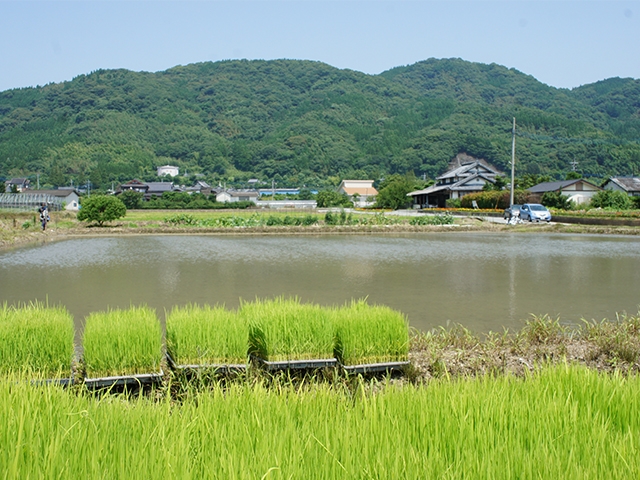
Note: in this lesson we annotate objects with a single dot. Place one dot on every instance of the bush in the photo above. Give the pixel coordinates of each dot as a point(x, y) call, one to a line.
point(101, 209)
point(494, 199)
point(556, 200)
point(332, 199)
point(611, 199)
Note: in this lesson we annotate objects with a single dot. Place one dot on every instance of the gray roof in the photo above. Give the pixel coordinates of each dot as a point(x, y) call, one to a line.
point(467, 168)
point(628, 184)
point(459, 186)
point(54, 193)
point(159, 187)
point(556, 186)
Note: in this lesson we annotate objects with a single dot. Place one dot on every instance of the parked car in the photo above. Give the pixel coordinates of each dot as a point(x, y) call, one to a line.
point(534, 212)
point(510, 211)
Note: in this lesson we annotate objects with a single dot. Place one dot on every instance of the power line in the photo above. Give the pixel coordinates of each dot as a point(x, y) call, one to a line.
point(580, 141)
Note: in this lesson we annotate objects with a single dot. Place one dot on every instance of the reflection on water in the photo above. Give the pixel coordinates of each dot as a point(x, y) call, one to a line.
point(484, 281)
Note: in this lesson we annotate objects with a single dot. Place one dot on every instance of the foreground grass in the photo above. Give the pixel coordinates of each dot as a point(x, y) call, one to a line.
point(561, 422)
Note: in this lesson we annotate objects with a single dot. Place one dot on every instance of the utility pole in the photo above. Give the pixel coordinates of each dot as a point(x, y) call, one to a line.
point(513, 160)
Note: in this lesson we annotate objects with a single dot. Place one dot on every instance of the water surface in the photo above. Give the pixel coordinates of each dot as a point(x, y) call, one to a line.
point(484, 281)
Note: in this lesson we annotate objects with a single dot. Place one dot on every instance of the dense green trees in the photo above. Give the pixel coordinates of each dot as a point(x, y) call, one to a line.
point(301, 122)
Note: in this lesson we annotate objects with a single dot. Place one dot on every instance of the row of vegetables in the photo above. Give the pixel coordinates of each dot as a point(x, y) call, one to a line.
point(122, 342)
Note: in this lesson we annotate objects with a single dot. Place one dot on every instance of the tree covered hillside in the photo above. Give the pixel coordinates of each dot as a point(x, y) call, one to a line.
point(303, 122)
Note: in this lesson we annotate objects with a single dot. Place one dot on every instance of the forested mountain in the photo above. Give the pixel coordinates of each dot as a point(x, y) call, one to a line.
point(302, 122)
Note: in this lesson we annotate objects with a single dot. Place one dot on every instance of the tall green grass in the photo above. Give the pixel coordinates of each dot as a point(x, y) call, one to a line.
point(370, 334)
point(122, 342)
point(285, 329)
point(565, 422)
point(36, 338)
point(206, 335)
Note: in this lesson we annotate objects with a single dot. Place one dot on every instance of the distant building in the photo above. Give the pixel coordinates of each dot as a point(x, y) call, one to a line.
point(148, 189)
point(361, 192)
point(579, 191)
point(200, 186)
point(229, 196)
point(20, 184)
point(169, 170)
point(465, 175)
point(628, 185)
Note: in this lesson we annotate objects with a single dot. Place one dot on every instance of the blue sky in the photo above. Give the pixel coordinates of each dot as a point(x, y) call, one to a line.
point(561, 43)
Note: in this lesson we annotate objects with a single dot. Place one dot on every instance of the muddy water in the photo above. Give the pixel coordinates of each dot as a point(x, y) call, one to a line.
point(484, 281)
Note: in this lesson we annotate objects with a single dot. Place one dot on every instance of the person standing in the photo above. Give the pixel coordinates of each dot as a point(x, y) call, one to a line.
point(44, 215)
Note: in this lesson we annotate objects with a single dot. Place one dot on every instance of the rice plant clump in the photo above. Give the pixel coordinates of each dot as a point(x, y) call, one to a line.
point(122, 342)
point(285, 329)
point(206, 336)
point(37, 339)
point(370, 334)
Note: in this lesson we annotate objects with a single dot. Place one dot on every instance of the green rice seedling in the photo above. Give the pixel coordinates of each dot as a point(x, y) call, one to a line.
point(285, 329)
point(122, 342)
point(562, 422)
point(206, 336)
point(370, 334)
point(36, 339)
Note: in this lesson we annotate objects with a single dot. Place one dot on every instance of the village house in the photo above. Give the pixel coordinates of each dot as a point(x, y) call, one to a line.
point(17, 184)
point(361, 192)
point(148, 189)
point(579, 191)
point(465, 175)
point(628, 185)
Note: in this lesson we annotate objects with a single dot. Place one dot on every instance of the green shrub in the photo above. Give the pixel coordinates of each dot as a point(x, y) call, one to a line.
point(101, 209)
point(494, 199)
point(556, 200)
point(445, 219)
point(611, 199)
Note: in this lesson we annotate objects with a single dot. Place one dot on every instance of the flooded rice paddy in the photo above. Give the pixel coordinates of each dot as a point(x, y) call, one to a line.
point(484, 281)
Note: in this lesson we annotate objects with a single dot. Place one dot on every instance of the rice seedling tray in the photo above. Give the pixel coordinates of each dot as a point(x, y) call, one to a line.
point(296, 364)
point(62, 382)
point(221, 368)
point(375, 367)
point(124, 380)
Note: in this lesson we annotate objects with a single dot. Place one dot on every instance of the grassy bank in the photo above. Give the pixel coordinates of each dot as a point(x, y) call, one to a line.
point(562, 422)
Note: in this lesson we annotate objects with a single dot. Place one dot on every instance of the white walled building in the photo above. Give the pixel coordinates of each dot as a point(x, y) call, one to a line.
point(169, 170)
